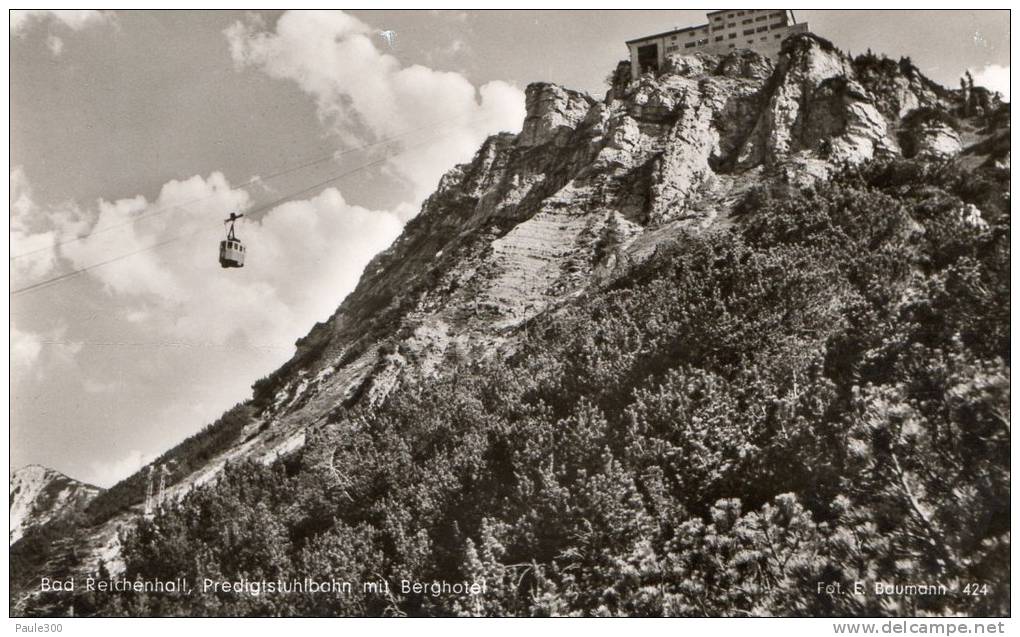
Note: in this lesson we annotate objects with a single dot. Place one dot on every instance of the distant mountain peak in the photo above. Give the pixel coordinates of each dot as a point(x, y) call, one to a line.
point(39, 495)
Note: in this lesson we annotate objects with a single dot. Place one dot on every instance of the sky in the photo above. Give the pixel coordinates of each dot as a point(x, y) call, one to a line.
point(146, 128)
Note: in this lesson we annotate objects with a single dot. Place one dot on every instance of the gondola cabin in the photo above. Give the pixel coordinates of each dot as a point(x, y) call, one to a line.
point(231, 248)
point(231, 253)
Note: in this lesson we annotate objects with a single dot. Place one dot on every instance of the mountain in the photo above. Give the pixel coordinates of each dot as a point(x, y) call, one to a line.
point(40, 495)
point(689, 349)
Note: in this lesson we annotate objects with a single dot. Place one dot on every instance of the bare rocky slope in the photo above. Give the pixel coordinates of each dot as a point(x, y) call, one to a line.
point(40, 495)
point(586, 190)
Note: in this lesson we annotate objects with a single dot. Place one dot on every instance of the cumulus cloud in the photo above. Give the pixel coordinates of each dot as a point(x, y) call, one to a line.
point(177, 333)
point(303, 257)
point(363, 93)
point(993, 77)
point(75, 19)
point(34, 230)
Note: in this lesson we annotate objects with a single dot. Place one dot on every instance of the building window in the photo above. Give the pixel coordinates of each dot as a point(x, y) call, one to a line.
point(750, 41)
point(718, 38)
point(779, 14)
point(740, 13)
point(779, 35)
point(765, 38)
point(747, 21)
point(760, 18)
point(733, 36)
point(733, 46)
point(748, 31)
point(690, 45)
point(729, 15)
point(731, 25)
point(760, 29)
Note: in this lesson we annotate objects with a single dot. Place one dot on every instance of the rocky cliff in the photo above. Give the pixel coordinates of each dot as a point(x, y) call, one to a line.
point(589, 187)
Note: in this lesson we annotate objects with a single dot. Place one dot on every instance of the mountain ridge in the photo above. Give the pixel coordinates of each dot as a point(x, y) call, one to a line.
point(38, 495)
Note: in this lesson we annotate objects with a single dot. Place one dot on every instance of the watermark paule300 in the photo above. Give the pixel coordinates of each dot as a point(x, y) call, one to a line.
point(38, 627)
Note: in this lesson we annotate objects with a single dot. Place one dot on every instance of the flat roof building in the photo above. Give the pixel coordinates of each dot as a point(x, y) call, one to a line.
point(761, 30)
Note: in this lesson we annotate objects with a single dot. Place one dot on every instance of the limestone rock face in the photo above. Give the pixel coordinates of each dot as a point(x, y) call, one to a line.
point(898, 88)
point(936, 140)
point(745, 64)
point(818, 110)
point(551, 110)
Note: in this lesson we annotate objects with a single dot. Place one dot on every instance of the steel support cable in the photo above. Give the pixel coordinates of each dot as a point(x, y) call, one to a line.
point(69, 275)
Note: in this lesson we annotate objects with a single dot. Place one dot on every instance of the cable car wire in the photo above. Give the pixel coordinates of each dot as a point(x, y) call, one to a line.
point(272, 204)
point(250, 182)
point(74, 273)
point(164, 344)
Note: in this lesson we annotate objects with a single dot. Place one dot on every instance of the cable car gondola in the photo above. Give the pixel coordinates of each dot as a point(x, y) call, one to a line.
point(231, 248)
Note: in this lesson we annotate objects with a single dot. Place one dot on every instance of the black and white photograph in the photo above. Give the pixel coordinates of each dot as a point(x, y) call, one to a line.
point(510, 313)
